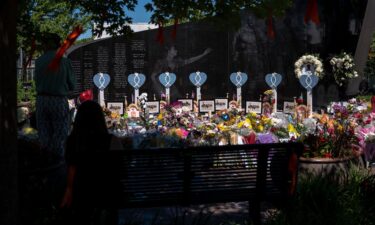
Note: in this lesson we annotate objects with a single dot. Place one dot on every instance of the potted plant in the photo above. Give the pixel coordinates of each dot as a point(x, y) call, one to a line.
point(331, 143)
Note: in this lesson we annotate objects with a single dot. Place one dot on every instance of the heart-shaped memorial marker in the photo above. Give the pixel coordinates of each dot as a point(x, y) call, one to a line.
point(101, 80)
point(198, 78)
point(238, 79)
point(136, 80)
point(273, 80)
point(167, 79)
point(308, 81)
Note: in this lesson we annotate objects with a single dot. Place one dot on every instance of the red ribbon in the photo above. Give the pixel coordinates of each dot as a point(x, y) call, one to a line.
point(32, 50)
point(85, 96)
point(174, 31)
point(54, 65)
point(312, 12)
point(270, 30)
point(160, 36)
point(251, 139)
point(373, 104)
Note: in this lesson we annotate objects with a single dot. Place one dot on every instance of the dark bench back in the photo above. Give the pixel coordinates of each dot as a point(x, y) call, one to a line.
point(162, 177)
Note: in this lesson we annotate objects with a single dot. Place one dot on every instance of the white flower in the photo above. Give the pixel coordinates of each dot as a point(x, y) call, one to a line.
point(343, 68)
point(308, 59)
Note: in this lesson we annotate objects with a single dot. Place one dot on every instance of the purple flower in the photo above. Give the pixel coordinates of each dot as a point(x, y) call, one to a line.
point(266, 138)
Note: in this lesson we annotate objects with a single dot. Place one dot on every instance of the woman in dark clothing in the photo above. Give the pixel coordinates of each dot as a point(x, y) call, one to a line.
point(86, 176)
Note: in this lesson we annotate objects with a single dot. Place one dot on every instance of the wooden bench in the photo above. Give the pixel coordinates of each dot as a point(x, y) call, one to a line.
point(201, 175)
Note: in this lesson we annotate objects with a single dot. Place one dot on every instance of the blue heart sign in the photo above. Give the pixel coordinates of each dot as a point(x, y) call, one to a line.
point(136, 80)
point(238, 79)
point(308, 81)
point(167, 79)
point(273, 80)
point(101, 80)
point(198, 78)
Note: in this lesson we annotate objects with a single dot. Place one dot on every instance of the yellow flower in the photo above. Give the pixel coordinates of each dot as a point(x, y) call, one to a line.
point(222, 127)
point(240, 124)
point(268, 92)
point(266, 120)
point(253, 114)
point(114, 115)
point(292, 130)
point(340, 128)
point(29, 130)
point(260, 128)
point(247, 123)
point(160, 116)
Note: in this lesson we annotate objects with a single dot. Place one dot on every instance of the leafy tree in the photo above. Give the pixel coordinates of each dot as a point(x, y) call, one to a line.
point(36, 17)
point(225, 12)
point(60, 16)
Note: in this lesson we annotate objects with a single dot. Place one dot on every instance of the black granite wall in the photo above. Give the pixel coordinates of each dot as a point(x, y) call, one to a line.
point(203, 46)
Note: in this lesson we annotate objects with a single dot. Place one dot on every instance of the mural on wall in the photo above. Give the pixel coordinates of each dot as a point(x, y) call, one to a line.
point(172, 62)
point(218, 53)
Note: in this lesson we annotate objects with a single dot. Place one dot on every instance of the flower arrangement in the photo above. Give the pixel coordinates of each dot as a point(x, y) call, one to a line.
point(343, 68)
point(324, 135)
point(333, 136)
point(311, 60)
point(269, 96)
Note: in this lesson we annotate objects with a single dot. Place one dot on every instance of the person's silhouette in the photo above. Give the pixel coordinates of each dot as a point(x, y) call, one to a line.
point(85, 176)
point(53, 87)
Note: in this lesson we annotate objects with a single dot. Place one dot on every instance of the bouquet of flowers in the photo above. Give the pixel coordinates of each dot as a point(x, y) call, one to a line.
point(309, 60)
point(343, 68)
point(333, 136)
point(269, 97)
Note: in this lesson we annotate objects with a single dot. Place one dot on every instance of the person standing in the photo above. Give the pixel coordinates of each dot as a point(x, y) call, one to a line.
point(52, 108)
point(91, 177)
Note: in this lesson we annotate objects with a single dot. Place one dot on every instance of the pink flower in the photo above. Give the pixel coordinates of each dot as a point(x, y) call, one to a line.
point(182, 133)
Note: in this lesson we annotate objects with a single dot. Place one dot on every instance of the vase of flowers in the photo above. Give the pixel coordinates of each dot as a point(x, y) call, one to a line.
point(343, 70)
point(330, 144)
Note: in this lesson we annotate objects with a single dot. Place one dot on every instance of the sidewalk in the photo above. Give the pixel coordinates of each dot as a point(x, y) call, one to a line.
point(231, 213)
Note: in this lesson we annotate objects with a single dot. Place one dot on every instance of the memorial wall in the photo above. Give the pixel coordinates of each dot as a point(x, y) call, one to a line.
point(218, 52)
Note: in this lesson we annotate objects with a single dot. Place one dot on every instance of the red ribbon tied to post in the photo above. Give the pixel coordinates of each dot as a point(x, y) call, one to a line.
point(160, 35)
point(54, 65)
point(174, 31)
point(312, 12)
point(270, 30)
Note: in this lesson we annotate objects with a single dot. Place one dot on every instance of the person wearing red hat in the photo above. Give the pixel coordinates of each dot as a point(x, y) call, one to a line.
point(52, 107)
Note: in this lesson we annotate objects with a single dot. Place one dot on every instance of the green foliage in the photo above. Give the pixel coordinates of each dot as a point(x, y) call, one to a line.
point(369, 71)
point(370, 65)
point(329, 199)
point(36, 17)
point(26, 93)
point(60, 16)
point(20, 91)
point(225, 12)
point(364, 98)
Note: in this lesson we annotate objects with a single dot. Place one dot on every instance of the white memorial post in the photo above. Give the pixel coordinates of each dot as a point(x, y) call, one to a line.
point(238, 79)
point(273, 80)
point(136, 80)
point(309, 80)
point(198, 79)
point(167, 79)
point(101, 81)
